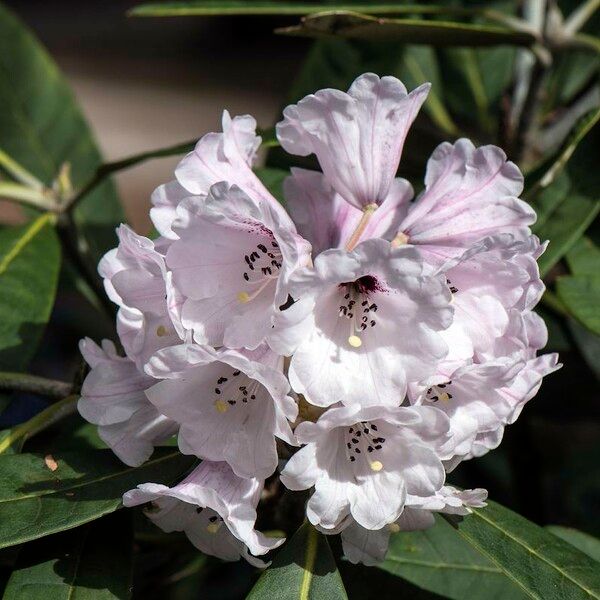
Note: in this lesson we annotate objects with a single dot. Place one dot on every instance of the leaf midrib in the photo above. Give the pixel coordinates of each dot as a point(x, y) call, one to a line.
point(88, 482)
point(441, 565)
point(529, 549)
point(29, 235)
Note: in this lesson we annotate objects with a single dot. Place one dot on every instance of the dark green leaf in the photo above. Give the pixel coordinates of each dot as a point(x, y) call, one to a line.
point(588, 344)
point(581, 294)
point(29, 267)
point(273, 180)
point(36, 501)
point(582, 541)
point(408, 31)
point(549, 199)
point(93, 562)
point(542, 564)
point(440, 561)
point(304, 569)
point(584, 257)
point(564, 227)
point(42, 128)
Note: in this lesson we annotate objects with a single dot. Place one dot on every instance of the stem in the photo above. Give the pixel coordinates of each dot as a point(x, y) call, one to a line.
point(362, 224)
point(579, 17)
point(49, 416)
point(20, 173)
point(26, 195)
point(80, 258)
point(22, 382)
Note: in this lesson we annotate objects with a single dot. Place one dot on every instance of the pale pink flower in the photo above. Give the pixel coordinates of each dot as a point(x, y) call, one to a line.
point(113, 398)
point(470, 193)
point(365, 323)
point(230, 405)
point(136, 279)
point(364, 462)
point(214, 507)
point(357, 136)
point(231, 262)
point(369, 546)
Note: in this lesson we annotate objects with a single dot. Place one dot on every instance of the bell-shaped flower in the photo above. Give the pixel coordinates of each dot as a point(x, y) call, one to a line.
point(214, 507)
point(357, 136)
point(136, 279)
point(471, 396)
point(489, 279)
point(470, 193)
point(230, 404)
point(327, 221)
point(112, 397)
point(226, 156)
point(369, 546)
point(231, 263)
point(365, 322)
point(364, 461)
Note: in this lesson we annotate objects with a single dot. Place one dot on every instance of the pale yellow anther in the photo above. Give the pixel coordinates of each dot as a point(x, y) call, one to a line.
point(394, 527)
point(376, 465)
point(444, 397)
point(221, 406)
point(213, 527)
point(161, 331)
point(355, 341)
point(243, 297)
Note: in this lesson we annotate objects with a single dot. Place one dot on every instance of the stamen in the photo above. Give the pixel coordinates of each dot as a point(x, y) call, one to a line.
point(376, 465)
point(221, 406)
point(394, 527)
point(243, 297)
point(355, 341)
point(162, 331)
point(213, 527)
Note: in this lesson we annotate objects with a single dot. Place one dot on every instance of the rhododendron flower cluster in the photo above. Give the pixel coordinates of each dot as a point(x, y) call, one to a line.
point(357, 343)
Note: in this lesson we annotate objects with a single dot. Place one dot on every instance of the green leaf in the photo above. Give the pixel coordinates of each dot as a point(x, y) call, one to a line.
point(584, 257)
point(542, 564)
point(273, 180)
point(36, 501)
point(93, 562)
point(440, 561)
point(419, 64)
point(588, 344)
point(564, 227)
point(303, 570)
point(581, 294)
point(548, 200)
point(582, 541)
point(29, 267)
point(42, 129)
point(408, 31)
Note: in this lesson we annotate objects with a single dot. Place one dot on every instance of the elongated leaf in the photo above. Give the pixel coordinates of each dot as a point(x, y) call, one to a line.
point(588, 344)
point(542, 564)
point(581, 295)
point(273, 180)
point(93, 562)
point(409, 31)
point(42, 128)
point(582, 541)
point(36, 501)
point(564, 227)
point(584, 257)
point(439, 561)
point(29, 267)
point(303, 570)
point(548, 200)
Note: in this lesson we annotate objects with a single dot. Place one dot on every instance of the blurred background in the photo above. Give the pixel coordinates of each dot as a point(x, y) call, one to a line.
point(149, 83)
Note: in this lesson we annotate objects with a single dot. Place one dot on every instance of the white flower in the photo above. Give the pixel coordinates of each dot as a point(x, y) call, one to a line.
point(215, 508)
point(231, 263)
point(230, 405)
point(369, 547)
point(135, 278)
point(365, 323)
point(364, 462)
point(113, 397)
